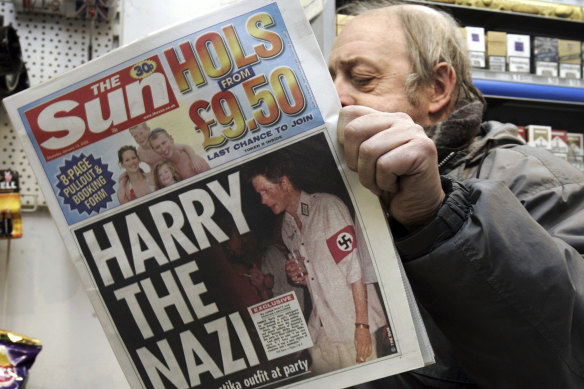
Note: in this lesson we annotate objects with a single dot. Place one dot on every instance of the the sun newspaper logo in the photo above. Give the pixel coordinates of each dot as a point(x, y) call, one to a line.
point(101, 108)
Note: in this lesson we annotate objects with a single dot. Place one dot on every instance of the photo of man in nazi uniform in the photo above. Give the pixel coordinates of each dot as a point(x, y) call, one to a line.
point(319, 234)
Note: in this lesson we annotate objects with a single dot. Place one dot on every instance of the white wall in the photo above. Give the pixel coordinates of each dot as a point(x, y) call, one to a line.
point(141, 17)
point(45, 300)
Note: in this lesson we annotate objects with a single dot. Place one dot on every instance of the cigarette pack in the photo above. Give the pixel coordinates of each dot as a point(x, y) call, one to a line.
point(576, 149)
point(559, 144)
point(518, 53)
point(539, 136)
point(570, 58)
point(570, 51)
point(475, 43)
point(522, 132)
point(496, 43)
point(545, 56)
point(575, 142)
point(342, 20)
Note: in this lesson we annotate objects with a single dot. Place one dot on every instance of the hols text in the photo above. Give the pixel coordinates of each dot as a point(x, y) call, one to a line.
point(219, 55)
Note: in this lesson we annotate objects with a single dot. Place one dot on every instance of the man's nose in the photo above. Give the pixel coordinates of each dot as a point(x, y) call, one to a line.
point(344, 91)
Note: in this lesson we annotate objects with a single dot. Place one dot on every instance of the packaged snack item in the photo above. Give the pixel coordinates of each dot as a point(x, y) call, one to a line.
point(10, 219)
point(17, 354)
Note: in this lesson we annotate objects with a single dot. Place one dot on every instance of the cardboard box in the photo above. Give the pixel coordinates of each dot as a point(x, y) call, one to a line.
point(496, 43)
point(570, 70)
point(570, 58)
point(570, 51)
point(475, 38)
point(342, 21)
point(576, 150)
point(576, 142)
point(518, 45)
point(518, 53)
point(545, 56)
point(475, 43)
point(539, 136)
point(522, 132)
point(560, 143)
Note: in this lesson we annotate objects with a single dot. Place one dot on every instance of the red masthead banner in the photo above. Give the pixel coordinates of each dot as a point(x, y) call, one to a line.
point(101, 108)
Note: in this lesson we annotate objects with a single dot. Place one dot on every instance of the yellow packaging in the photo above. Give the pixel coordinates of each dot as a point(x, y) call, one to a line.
point(462, 31)
point(496, 43)
point(10, 219)
point(342, 20)
point(570, 51)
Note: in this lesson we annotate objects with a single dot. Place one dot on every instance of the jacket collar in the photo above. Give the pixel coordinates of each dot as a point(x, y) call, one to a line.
point(462, 138)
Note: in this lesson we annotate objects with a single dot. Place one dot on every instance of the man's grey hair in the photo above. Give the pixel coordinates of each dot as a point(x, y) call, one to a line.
point(431, 39)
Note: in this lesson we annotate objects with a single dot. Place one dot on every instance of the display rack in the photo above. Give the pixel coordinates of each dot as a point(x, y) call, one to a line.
point(51, 45)
point(524, 98)
point(530, 87)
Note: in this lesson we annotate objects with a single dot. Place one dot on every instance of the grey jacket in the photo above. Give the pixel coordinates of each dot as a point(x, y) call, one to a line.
point(499, 272)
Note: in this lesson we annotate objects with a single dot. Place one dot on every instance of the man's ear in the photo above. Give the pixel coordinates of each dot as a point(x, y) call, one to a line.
point(443, 88)
point(285, 183)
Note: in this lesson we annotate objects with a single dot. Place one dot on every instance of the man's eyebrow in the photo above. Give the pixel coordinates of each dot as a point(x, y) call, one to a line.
point(343, 64)
point(352, 62)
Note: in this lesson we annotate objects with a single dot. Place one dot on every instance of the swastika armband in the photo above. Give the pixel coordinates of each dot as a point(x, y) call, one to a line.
point(342, 243)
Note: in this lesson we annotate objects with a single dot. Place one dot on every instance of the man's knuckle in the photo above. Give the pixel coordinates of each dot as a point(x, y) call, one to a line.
point(351, 131)
point(402, 116)
point(366, 151)
point(425, 146)
point(419, 129)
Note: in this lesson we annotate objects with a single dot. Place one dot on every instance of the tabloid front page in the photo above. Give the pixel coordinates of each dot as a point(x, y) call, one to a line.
point(154, 160)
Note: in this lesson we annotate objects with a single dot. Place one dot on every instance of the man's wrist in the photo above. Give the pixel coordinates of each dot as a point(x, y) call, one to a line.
point(451, 215)
point(413, 226)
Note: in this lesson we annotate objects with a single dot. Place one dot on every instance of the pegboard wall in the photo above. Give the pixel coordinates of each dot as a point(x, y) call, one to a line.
point(51, 45)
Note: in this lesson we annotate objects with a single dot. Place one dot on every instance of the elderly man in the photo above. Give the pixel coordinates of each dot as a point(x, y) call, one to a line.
point(490, 230)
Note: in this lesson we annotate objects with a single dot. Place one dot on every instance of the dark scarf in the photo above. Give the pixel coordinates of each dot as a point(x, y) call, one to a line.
point(456, 133)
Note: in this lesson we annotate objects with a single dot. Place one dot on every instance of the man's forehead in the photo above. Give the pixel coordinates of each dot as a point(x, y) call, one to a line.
point(364, 27)
point(258, 178)
point(379, 18)
point(160, 136)
point(369, 36)
point(263, 180)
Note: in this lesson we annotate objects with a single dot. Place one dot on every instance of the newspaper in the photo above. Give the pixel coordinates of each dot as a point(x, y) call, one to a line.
point(149, 159)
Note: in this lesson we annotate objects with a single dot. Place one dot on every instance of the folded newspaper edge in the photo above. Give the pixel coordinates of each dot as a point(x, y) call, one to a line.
point(425, 345)
point(190, 174)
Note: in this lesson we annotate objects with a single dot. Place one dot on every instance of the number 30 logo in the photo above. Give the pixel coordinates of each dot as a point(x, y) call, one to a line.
point(143, 69)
